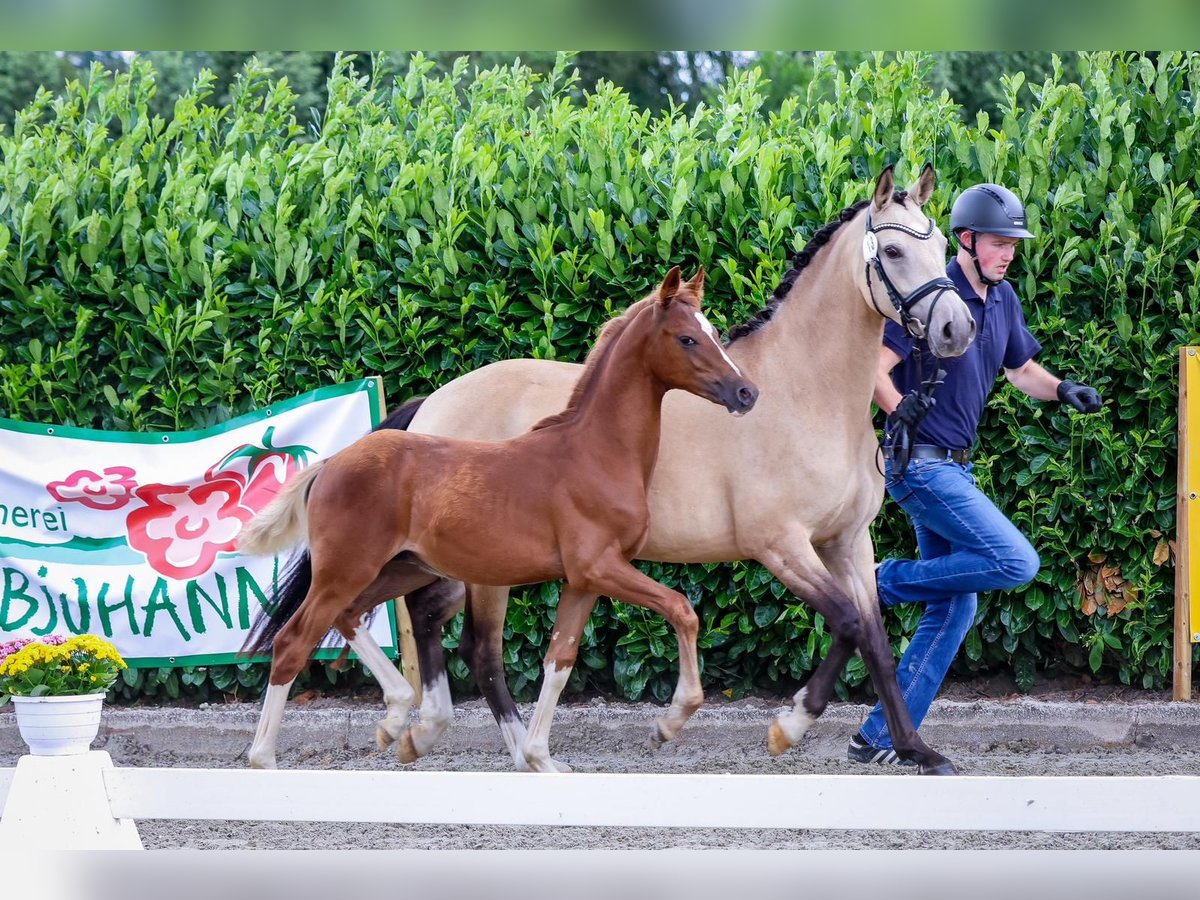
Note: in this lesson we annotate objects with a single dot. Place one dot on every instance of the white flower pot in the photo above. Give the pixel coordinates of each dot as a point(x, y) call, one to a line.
point(59, 726)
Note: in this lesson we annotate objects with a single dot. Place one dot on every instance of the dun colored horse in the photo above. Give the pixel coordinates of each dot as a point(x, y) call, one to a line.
point(396, 510)
point(795, 487)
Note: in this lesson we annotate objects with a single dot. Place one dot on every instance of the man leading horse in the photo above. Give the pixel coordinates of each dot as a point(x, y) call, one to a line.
point(966, 543)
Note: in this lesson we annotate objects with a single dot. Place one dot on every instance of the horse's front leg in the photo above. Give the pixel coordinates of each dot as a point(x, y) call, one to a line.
point(853, 566)
point(574, 607)
point(797, 565)
point(620, 580)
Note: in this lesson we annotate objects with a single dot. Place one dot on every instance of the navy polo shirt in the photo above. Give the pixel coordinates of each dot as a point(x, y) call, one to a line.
point(1002, 341)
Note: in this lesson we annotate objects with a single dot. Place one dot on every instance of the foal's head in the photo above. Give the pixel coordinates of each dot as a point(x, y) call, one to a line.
point(685, 351)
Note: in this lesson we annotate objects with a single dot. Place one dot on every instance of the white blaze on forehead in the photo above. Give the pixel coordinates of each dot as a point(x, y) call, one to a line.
point(707, 328)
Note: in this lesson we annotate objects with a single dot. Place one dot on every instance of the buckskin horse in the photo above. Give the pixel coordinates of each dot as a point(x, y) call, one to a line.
point(795, 487)
point(396, 510)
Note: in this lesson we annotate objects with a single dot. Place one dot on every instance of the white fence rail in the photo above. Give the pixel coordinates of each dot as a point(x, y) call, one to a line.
point(104, 802)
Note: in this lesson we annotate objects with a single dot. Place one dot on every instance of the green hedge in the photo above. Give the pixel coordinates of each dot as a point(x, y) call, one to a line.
point(171, 274)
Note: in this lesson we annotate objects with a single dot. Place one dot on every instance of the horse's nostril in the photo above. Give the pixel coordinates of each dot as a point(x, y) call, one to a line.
point(745, 395)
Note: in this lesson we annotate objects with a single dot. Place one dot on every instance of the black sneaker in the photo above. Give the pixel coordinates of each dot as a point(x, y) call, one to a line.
point(860, 751)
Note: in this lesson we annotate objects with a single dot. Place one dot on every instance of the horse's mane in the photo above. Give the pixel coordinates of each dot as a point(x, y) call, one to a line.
point(603, 345)
point(822, 237)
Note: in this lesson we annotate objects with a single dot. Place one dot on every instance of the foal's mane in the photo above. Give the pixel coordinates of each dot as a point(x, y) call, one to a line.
point(822, 237)
point(601, 349)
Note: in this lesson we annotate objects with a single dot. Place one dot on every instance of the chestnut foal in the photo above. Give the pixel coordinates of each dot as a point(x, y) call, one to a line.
point(396, 510)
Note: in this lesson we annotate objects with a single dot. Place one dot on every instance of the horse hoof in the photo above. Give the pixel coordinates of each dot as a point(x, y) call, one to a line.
point(383, 739)
point(658, 736)
point(941, 767)
point(548, 764)
point(777, 741)
point(406, 752)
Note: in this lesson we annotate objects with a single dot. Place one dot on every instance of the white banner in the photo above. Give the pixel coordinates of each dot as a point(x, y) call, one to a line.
point(131, 536)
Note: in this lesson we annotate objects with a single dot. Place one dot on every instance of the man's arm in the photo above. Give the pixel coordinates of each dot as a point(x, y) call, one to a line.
point(1041, 385)
point(1034, 381)
point(887, 397)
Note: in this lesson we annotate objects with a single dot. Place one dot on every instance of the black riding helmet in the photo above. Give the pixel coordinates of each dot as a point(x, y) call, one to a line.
point(988, 209)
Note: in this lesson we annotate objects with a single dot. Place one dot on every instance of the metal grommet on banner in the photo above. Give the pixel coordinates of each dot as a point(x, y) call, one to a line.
point(166, 438)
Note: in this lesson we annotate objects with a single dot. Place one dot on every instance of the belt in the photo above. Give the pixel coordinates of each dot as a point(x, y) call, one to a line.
point(932, 451)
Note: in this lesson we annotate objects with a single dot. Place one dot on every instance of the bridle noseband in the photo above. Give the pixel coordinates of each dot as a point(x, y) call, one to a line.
point(902, 304)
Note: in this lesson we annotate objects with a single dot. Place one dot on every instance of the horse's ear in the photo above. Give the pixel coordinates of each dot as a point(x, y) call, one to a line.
point(923, 189)
point(697, 282)
point(669, 287)
point(885, 186)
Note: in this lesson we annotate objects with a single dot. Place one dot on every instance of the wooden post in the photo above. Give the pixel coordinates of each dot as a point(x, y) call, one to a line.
point(1185, 499)
point(408, 648)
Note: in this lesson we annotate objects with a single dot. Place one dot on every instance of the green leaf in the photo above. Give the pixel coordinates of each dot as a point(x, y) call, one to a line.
point(1157, 167)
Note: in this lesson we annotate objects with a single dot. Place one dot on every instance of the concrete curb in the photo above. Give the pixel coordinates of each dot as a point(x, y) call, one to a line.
point(223, 732)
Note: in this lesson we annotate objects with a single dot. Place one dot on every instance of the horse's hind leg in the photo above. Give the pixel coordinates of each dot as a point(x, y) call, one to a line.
point(482, 649)
point(402, 575)
point(262, 750)
point(293, 645)
point(397, 692)
point(802, 572)
point(574, 607)
point(430, 608)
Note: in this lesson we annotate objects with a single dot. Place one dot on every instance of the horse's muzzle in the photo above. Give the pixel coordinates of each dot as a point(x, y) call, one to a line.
point(739, 397)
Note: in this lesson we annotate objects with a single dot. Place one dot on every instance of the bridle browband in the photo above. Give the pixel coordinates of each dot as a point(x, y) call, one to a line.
point(902, 304)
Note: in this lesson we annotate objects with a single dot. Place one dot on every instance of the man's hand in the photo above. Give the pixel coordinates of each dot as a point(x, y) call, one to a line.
point(914, 407)
point(1080, 396)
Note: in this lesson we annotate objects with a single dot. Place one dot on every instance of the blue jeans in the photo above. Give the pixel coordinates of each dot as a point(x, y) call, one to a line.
point(966, 545)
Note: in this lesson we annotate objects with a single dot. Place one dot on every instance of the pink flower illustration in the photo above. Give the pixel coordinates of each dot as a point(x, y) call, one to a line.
point(182, 528)
point(111, 490)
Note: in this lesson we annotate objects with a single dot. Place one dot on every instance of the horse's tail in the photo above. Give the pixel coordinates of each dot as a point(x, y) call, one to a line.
point(283, 523)
point(293, 588)
point(401, 417)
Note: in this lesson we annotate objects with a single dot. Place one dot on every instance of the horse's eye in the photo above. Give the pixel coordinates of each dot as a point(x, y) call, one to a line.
point(687, 341)
point(892, 252)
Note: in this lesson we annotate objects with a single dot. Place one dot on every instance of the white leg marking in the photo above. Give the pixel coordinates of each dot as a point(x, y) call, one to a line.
point(513, 731)
point(537, 741)
point(262, 751)
point(707, 328)
point(799, 720)
point(397, 692)
point(437, 709)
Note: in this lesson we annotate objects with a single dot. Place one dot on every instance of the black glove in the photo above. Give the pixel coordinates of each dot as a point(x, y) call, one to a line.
point(1080, 396)
point(913, 408)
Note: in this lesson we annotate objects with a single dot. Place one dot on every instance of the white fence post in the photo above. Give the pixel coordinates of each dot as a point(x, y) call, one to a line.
point(61, 803)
